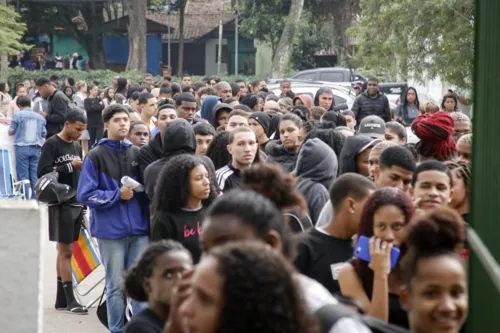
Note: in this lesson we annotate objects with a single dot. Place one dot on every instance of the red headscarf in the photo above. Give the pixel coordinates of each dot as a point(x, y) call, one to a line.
point(435, 132)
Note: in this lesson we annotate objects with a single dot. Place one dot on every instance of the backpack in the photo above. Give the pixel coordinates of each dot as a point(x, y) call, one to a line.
point(330, 314)
point(298, 224)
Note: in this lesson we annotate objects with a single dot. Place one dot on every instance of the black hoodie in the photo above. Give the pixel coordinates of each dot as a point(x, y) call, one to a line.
point(316, 170)
point(179, 139)
point(350, 151)
point(277, 153)
point(150, 153)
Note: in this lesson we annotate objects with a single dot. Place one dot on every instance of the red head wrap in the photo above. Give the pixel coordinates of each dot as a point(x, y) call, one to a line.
point(435, 132)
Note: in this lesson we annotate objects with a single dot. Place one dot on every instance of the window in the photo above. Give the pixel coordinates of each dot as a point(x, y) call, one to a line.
point(339, 100)
point(332, 76)
point(306, 76)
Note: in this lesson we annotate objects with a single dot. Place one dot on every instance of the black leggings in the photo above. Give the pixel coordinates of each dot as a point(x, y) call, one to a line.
point(95, 134)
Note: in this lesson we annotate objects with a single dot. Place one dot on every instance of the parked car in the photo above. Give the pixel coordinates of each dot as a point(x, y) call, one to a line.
point(341, 94)
point(393, 90)
point(341, 76)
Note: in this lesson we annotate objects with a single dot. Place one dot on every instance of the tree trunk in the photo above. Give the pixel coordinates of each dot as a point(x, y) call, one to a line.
point(180, 69)
point(284, 48)
point(136, 10)
point(342, 19)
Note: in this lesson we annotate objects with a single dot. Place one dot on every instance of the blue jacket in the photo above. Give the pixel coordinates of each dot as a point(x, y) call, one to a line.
point(99, 188)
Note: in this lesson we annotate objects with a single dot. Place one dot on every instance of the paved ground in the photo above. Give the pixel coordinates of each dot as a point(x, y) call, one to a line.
point(60, 321)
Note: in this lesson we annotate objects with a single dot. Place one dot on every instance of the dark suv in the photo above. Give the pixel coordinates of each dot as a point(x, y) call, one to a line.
point(341, 76)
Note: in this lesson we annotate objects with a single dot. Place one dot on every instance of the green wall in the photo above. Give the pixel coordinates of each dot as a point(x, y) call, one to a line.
point(66, 44)
point(484, 300)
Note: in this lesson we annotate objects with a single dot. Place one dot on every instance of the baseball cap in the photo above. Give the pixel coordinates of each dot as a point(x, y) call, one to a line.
point(373, 127)
point(370, 144)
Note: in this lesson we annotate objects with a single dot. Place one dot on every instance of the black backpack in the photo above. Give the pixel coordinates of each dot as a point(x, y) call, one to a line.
point(298, 224)
point(328, 316)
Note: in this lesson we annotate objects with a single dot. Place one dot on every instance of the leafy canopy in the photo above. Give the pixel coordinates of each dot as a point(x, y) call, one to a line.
point(428, 38)
point(11, 32)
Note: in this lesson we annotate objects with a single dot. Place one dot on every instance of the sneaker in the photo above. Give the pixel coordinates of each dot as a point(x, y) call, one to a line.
point(77, 309)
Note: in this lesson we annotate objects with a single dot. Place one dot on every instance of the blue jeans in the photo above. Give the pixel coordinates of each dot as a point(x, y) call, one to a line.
point(118, 255)
point(26, 163)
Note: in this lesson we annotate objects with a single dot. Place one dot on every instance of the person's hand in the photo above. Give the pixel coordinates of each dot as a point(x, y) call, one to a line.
point(76, 164)
point(380, 253)
point(126, 193)
point(43, 114)
point(179, 294)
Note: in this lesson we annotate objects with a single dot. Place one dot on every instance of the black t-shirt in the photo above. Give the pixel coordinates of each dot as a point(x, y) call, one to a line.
point(59, 153)
point(321, 256)
point(145, 321)
point(183, 226)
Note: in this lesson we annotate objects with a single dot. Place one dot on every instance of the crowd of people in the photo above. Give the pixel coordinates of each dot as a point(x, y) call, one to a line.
point(247, 210)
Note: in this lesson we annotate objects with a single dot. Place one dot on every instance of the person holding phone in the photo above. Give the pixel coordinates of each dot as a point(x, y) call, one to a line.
point(373, 284)
point(119, 218)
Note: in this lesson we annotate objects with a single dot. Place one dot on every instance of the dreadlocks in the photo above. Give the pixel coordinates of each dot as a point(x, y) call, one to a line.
point(463, 169)
point(435, 133)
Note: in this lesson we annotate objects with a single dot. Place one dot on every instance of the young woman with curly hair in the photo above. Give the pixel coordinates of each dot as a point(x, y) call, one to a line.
point(234, 289)
point(152, 279)
point(384, 218)
point(281, 188)
point(435, 292)
point(183, 191)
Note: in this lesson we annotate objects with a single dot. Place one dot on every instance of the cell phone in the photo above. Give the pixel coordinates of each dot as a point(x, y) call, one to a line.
point(362, 251)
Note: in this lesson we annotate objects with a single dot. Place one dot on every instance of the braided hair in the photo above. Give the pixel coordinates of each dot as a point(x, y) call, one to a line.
point(143, 267)
point(435, 132)
point(463, 169)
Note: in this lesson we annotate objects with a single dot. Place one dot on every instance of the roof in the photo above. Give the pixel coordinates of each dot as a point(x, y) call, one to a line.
point(152, 26)
point(200, 18)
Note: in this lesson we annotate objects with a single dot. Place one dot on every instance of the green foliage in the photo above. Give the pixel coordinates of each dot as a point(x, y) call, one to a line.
point(264, 20)
point(105, 77)
point(11, 32)
point(428, 38)
point(310, 38)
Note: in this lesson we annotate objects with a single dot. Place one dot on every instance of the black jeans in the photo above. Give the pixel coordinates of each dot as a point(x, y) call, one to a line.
point(95, 133)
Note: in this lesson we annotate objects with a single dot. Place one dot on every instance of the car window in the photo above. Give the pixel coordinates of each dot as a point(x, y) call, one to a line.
point(339, 100)
point(332, 76)
point(306, 76)
point(308, 94)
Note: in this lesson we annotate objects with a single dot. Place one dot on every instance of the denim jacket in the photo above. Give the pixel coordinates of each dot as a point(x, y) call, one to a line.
point(29, 128)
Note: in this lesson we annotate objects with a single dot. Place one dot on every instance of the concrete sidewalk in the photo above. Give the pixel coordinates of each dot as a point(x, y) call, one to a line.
point(61, 321)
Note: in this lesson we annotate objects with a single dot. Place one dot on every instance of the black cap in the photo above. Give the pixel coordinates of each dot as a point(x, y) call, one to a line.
point(263, 119)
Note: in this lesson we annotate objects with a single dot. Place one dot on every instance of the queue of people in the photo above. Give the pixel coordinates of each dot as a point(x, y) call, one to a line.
point(250, 211)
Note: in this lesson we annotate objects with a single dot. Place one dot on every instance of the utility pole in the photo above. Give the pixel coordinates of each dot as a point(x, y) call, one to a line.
point(236, 51)
point(219, 62)
point(4, 58)
point(168, 44)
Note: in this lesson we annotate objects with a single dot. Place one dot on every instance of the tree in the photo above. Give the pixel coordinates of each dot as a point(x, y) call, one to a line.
point(284, 48)
point(10, 35)
point(81, 19)
point(137, 32)
point(427, 38)
point(264, 20)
